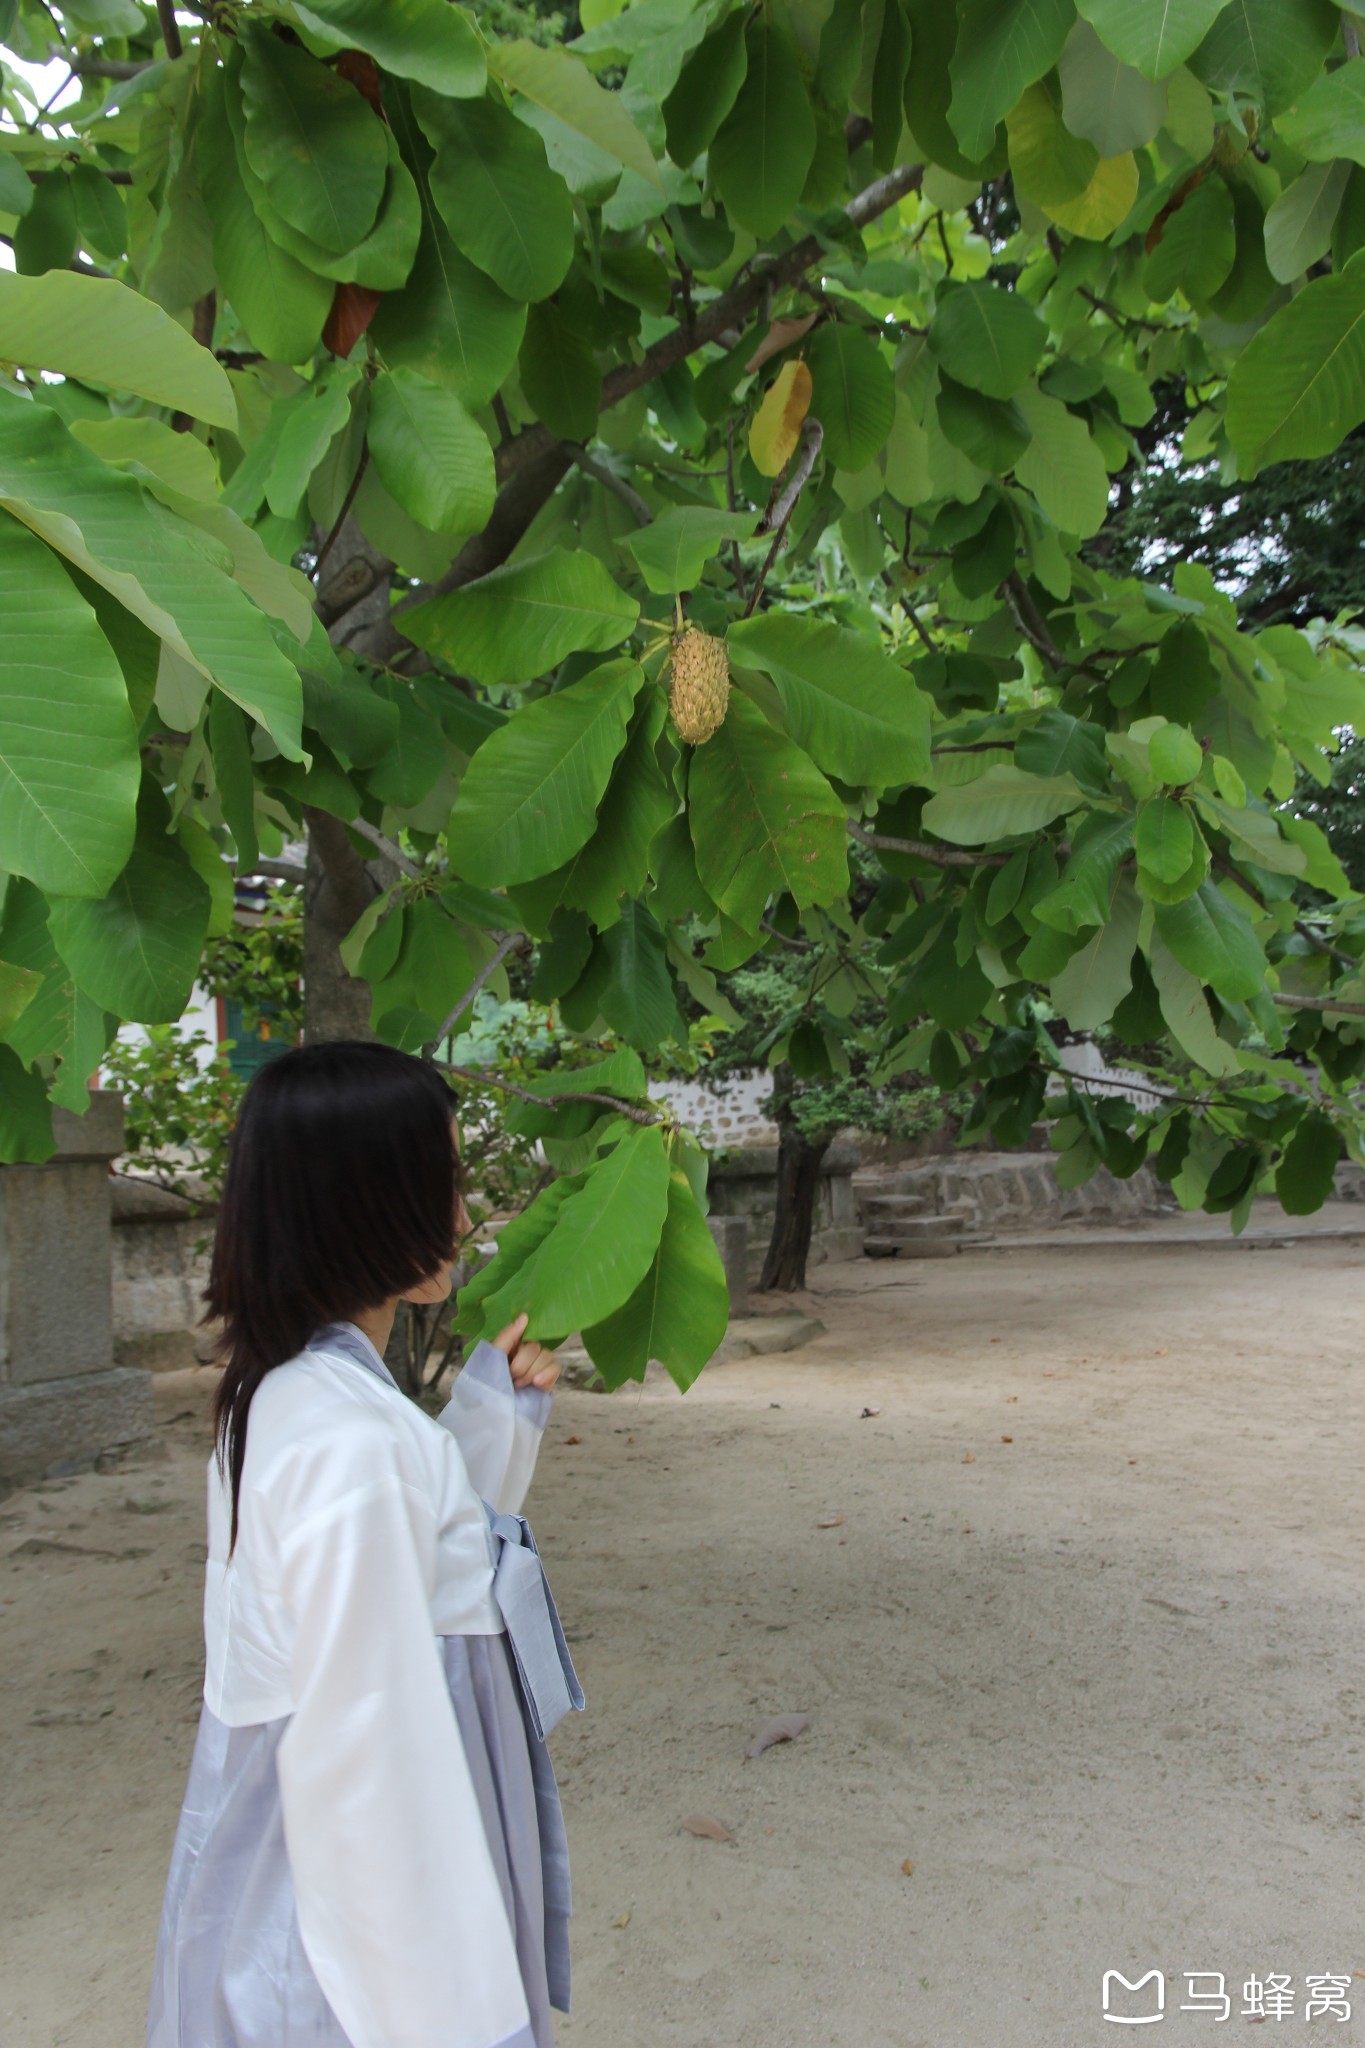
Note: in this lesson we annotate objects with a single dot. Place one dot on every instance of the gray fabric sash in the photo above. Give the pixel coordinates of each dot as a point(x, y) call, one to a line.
point(524, 1599)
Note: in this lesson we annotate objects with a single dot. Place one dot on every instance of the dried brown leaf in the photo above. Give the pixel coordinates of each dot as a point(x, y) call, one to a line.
point(703, 1825)
point(782, 1728)
point(780, 335)
point(831, 1521)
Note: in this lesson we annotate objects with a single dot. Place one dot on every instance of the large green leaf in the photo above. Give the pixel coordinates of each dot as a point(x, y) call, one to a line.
point(1108, 102)
point(707, 88)
point(1268, 50)
point(69, 766)
point(279, 302)
point(1062, 465)
point(679, 1311)
point(429, 453)
point(636, 996)
point(763, 819)
point(1156, 35)
point(312, 140)
point(1165, 839)
point(1049, 165)
point(1000, 803)
point(136, 950)
point(504, 206)
point(559, 374)
point(986, 337)
point(1308, 1165)
point(58, 1022)
point(604, 1239)
point(432, 969)
point(530, 795)
point(563, 86)
point(674, 549)
point(522, 620)
point(1094, 981)
point(498, 1291)
point(1298, 226)
point(150, 560)
point(1002, 46)
point(1298, 388)
point(1197, 246)
point(428, 40)
point(854, 395)
point(1212, 937)
point(1185, 1009)
point(856, 713)
point(450, 321)
point(1329, 121)
point(763, 149)
point(614, 862)
point(98, 330)
point(1083, 896)
point(25, 1116)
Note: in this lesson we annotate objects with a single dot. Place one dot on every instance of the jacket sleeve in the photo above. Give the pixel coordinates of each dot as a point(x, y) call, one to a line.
point(400, 1908)
point(497, 1425)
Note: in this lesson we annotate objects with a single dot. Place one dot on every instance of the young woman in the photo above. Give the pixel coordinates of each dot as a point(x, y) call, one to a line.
point(371, 1852)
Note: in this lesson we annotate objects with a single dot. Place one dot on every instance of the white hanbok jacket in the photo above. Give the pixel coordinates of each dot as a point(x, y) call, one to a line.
point(368, 1534)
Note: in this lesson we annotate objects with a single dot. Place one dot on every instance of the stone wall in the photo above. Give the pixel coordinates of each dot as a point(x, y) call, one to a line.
point(744, 1183)
point(1002, 1191)
point(161, 1248)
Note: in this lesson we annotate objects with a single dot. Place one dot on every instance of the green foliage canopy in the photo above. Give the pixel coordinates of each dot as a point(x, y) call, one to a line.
point(375, 386)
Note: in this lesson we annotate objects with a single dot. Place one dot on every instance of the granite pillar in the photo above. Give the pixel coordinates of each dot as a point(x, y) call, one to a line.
point(64, 1406)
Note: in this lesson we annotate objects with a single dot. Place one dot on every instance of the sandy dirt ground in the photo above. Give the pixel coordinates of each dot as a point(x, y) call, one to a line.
point(1075, 1616)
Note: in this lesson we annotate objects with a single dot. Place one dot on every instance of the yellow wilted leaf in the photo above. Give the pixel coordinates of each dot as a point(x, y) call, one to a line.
point(777, 423)
point(1105, 202)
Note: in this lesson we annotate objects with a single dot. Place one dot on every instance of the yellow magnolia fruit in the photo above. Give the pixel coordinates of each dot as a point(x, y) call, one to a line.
point(698, 684)
point(776, 425)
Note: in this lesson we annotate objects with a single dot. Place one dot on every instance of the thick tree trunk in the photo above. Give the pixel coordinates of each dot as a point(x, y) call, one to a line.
point(799, 1160)
point(337, 887)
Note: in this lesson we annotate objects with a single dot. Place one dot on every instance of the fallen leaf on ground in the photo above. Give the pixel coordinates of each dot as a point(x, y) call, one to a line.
point(969, 1457)
point(830, 1521)
point(623, 1919)
point(907, 1866)
point(703, 1825)
point(782, 1728)
point(869, 1411)
point(1007, 1439)
point(573, 1439)
point(1011, 1397)
point(997, 1340)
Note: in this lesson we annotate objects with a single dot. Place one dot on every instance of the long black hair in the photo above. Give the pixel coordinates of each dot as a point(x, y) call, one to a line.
point(341, 1192)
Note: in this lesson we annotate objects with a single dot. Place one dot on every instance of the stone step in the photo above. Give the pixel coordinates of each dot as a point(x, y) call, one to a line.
point(915, 1237)
point(881, 1208)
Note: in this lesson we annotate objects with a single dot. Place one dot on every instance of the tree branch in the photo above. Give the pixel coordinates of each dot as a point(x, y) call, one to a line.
point(599, 472)
point(387, 847)
point(325, 550)
point(510, 944)
point(778, 517)
point(486, 1080)
point(170, 27)
point(1320, 1003)
point(731, 309)
point(1031, 622)
point(1321, 945)
point(924, 849)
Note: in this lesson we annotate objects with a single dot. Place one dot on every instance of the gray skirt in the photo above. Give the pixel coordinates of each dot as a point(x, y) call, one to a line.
point(230, 1968)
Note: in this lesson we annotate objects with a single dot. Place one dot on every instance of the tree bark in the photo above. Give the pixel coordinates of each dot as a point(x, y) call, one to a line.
point(799, 1160)
point(337, 887)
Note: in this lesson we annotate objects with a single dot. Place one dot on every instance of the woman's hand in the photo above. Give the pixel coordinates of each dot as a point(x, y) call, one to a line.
point(531, 1364)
